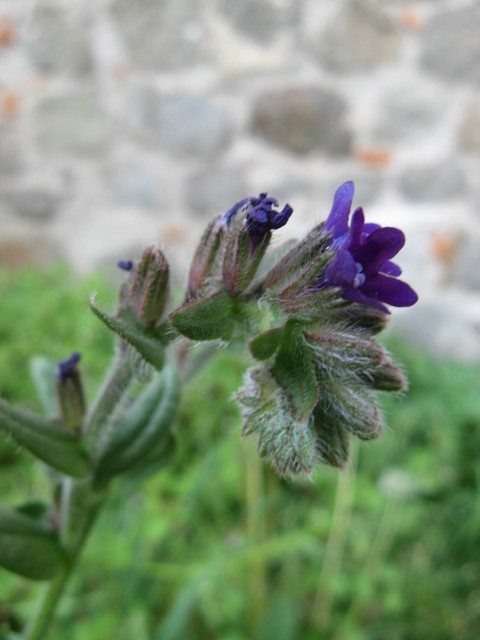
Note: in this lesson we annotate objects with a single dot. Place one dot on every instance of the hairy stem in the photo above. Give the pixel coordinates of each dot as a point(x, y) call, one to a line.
point(84, 507)
point(256, 529)
point(334, 550)
point(116, 383)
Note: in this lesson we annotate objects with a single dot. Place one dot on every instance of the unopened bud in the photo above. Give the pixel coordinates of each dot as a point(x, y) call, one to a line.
point(250, 224)
point(386, 377)
point(349, 406)
point(205, 261)
point(71, 398)
point(150, 286)
point(362, 316)
point(346, 352)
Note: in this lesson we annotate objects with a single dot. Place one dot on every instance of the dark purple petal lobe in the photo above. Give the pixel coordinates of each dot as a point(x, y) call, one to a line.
point(337, 221)
point(390, 269)
point(389, 290)
point(379, 247)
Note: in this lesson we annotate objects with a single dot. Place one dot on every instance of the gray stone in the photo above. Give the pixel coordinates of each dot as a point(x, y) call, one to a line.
point(433, 183)
point(11, 159)
point(33, 202)
point(57, 44)
point(440, 326)
point(408, 113)
point(469, 136)
point(465, 272)
point(361, 36)
point(451, 44)
point(290, 189)
point(367, 186)
point(302, 120)
point(162, 34)
point(71, 122)
point(132, 185)
point(260, 20)
point(213, 191)
point(180, 124)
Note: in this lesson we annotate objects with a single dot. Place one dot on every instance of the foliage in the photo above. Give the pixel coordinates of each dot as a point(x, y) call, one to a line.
point(216, 546)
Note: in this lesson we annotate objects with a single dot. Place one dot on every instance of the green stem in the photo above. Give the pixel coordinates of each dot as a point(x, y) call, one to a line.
point(256, 530)
point(118, 380)
point(334, 549)
point(85, 506)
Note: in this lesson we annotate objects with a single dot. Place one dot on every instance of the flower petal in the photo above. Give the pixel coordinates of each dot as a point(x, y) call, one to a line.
point(381, 245)
point(341, 269)
point(389, 290)
point(337, 221)
point(280, 218)
point(390, 269)
point(355, 295)
point(356, 229)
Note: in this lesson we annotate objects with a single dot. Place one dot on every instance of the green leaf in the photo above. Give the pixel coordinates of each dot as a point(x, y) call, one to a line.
point(28, 548)
point(208, 319)
point(294, 371)
point(139, 434)
point(149, 342)
point(266, 344)
point(47, 439)
point(153, 461)
point(43, 372)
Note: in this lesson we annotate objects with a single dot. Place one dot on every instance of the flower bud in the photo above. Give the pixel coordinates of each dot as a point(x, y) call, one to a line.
point(205, 261)
point(149, 286)
point(348, 406)
point(346, 352)
point(71, 398)
point(250, 223)
point(386, 377)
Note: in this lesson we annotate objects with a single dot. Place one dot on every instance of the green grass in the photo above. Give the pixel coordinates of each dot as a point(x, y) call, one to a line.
point(218, 548)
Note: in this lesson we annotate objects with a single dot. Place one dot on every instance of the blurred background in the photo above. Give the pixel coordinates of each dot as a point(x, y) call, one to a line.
point(127, 122)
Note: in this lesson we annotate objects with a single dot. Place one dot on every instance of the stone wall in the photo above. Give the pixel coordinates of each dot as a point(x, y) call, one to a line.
point(124, 122)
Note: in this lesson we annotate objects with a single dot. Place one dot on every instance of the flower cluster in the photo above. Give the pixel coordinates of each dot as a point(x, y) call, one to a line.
point(312, 335)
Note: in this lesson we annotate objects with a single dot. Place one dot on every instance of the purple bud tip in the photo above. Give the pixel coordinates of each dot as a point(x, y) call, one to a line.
point(68, 368)
point(126, 265)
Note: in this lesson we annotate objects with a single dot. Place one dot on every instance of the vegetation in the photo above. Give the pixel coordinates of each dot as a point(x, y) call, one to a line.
point(217, 547)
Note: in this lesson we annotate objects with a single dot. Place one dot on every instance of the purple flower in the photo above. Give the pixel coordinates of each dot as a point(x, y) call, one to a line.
point(362, 265)
point(261, 217)
point(67, 369)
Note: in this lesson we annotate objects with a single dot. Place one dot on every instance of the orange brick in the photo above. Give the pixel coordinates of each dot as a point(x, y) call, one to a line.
point(412, 18)
point(10, 103)
point(7, 31)
point(374, 156)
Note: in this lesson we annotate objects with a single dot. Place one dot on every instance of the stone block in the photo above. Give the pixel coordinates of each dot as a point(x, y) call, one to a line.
point(361, 36)
point(469, 135)
point(162, 34)
point(71, 122)
point(36, 202)
point(56, 43)
point(433, 182)
point(260, 20)
point(302, 120)
point(451, 44)
point(181, 124)
point(213, 191)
